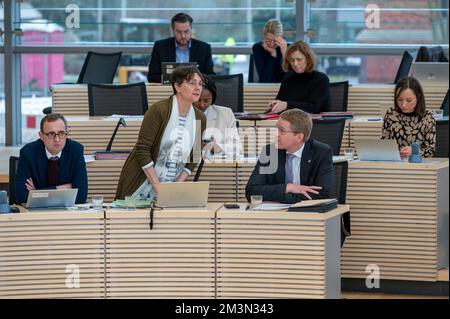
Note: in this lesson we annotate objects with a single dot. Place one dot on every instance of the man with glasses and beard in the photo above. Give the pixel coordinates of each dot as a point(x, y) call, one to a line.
point(181, 49)
point(52, 162)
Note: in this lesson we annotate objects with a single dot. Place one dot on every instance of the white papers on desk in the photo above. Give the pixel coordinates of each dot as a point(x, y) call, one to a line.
point(89, 158)
point(126, 117)
point(271, 206)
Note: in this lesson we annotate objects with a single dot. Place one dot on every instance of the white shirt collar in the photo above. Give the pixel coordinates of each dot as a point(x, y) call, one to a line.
point(298, 153)
point(50, 155)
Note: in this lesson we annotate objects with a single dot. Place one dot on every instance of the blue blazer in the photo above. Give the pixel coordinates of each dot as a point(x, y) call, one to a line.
point(165, 51)
point(33, 163)
point(268, 177)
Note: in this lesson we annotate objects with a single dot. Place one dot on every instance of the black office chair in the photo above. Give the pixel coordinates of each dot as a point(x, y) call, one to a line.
point(98, 68)
point(338, 96)
point(431, 54)
point(13, 164)
point(444, 105)
point(339, 191)
point(441, 139)
point(230, 91)
point(109, 99)
point(404, 67)
point(329, 132)
point(253, 76)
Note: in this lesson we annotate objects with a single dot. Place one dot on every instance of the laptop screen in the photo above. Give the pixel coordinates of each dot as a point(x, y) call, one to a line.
point(51, 198)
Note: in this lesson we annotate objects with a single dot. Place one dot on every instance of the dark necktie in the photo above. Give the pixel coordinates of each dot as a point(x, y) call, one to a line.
point(53, 171)
point(289, 174)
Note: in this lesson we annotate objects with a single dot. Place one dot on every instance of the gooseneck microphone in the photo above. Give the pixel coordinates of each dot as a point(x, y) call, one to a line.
point(120, 122)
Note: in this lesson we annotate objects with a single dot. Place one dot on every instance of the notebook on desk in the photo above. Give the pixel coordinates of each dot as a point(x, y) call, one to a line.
point(377, 150)
point(51, 198)
point(183, 194)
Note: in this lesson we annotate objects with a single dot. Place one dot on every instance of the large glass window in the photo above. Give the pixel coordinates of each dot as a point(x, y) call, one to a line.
point(224, 22)
point(2, 99)
point(38, 73)
point(423, 22)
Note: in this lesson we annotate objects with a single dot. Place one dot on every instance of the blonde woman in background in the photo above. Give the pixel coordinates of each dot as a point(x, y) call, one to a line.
point(269, 54)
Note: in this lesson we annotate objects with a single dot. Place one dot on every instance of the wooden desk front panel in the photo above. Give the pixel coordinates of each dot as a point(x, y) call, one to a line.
point(175, 259)
point(267, 256)
point(363, 99)
point(95, 134)
point(393, 220)
point(40, 251)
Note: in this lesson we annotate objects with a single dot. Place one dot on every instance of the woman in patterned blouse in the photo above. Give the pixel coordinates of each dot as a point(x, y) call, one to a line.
point(409, 121)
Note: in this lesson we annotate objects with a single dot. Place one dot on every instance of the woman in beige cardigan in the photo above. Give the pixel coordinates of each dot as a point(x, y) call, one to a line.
point(169, 137)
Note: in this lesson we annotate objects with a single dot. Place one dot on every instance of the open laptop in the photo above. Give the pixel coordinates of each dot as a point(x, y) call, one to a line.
point(377, 150)
point(51, 198)
point(431, 73)
point(168, 67)
point(405, 66)
point(184, 194)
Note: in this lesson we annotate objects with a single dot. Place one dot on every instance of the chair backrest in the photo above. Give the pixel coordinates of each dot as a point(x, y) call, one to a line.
point(431, 54)
point(338, 96)
point(444, 105)
point(329, 132)
point(441, 139)
point(109, 99)
point(230, 91)
point(253, 76)
point(13, 164)
point(339, 190)
point(404, 67)
point(99, 68)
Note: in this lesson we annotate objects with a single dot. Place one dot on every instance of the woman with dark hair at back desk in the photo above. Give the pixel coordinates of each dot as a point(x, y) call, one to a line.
point(303, 88)
point(409, 121)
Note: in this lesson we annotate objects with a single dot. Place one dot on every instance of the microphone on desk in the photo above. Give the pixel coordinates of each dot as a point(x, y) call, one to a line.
point(207, 154)
point(108, 154)
point(121, 122)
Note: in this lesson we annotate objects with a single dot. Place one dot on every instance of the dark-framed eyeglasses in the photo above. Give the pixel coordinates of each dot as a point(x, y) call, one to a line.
point(53, 135)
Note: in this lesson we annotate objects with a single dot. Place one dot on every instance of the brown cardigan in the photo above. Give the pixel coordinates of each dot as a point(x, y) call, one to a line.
point(147, 146)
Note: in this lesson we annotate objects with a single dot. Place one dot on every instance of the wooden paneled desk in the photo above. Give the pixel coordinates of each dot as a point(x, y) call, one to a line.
point(399, 218)
point(278, 254)
point(189, 253)
point(363, 99)
point(39, 251)
point(175, 259)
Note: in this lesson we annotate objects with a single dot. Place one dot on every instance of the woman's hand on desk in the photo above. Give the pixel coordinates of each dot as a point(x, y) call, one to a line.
point(302, 189)
point(277, 106)
point(405, 151)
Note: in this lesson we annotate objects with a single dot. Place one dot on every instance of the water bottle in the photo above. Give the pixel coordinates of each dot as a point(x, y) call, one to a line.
point(415, 153)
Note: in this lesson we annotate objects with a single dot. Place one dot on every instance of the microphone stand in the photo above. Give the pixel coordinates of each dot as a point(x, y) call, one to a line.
point(120, 122)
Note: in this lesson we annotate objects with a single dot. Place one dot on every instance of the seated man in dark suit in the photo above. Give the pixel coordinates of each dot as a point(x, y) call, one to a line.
point(51, 162)
point(296, 167)
point(180, 48)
